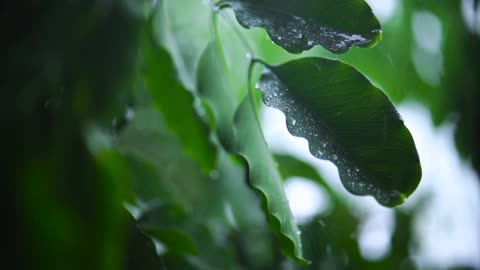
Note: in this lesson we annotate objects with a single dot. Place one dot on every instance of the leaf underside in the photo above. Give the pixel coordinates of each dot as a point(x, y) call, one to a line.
point(348, 121)
point(299, 25)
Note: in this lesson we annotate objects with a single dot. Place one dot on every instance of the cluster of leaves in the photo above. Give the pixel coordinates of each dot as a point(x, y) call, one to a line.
point(102, 119)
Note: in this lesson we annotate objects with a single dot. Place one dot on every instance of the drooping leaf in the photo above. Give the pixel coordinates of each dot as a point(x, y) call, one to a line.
point(240, 133)
point(265, 178)
point(175, 102)
point(299, 25)
point(348, 121)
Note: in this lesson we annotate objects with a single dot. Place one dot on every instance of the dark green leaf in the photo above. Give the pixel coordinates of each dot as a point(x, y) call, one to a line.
point(299, 25)
point(349, 122)
point(240, 133)
point(176, 240)
point(140, 250)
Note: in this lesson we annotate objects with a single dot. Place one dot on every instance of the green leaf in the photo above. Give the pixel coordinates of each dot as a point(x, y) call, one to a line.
point(216, 91)
point(151, 147)
point(265, 178)
point(238, 129)
point(167, 223)
point(289, 166)
point(299, 25)
point(176, 103)
point(183, 28)
point(177, 241)
point(147, 182)
point(348, 121)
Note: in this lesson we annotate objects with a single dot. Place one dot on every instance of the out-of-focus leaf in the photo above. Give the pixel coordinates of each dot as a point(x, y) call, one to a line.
point(147, 139)
point(168, 223)
point(66, 65)
point(347, 121)
point(175, 102)
point(299, 25)
point(182, 198)
point(177, 241)
point(239, 131)
point(242, 206)
point(140, 250)
point(289, 166)
point(146, 182)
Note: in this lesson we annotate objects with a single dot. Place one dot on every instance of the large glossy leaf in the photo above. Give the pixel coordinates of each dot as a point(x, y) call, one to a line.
point(348, 121)
point(300, 25)
point(239, 131)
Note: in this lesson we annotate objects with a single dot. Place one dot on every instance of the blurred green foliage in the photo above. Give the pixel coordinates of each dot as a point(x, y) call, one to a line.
point(87, 135)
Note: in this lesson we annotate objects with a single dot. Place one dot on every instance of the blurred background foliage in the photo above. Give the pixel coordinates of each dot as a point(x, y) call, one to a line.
point(103, 172)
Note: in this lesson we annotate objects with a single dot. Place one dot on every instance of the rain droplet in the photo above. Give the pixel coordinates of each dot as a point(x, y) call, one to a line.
point(334, 157)
point(357, 169)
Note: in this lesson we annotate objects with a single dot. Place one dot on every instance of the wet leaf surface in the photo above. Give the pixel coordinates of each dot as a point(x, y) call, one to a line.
point(348, 121)
point(299, 25)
